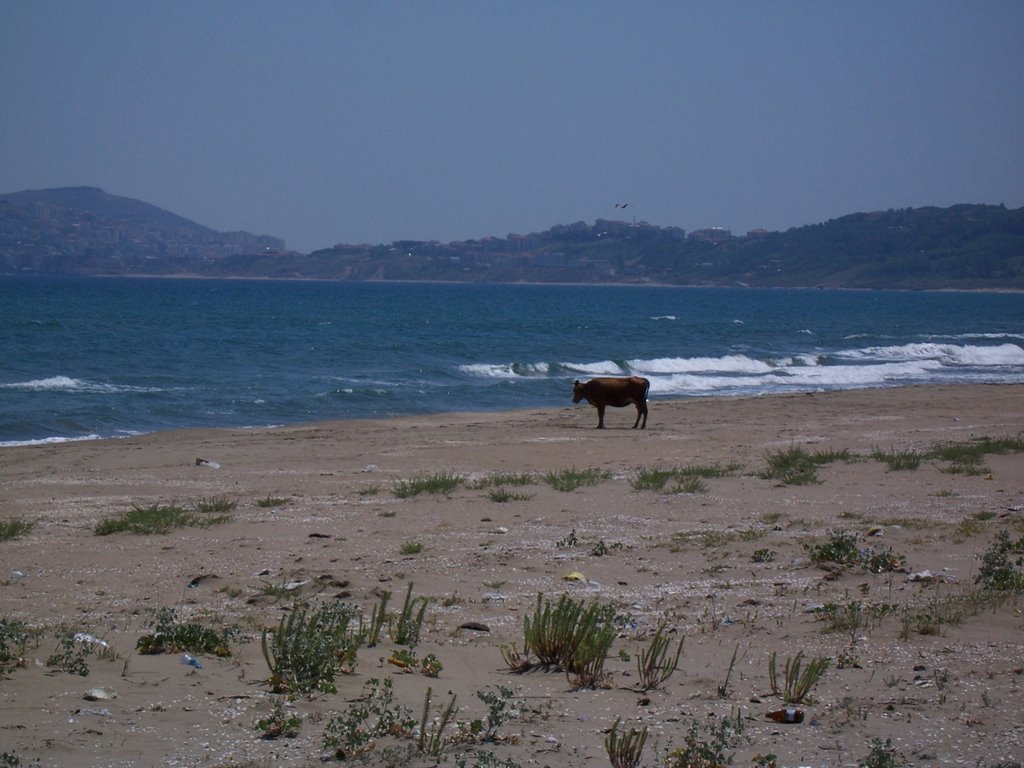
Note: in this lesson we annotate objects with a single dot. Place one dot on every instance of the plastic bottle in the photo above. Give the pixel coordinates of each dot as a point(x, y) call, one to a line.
point(194, 662)
point(788, 715)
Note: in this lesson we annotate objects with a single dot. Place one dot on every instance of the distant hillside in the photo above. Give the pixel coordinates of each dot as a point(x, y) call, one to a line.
point(84, 231)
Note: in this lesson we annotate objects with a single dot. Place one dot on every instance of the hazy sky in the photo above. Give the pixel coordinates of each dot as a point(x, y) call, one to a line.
point(351, 121)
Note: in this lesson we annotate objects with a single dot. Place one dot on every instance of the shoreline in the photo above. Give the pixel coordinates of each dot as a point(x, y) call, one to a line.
point(610, 284)
point(671, 401)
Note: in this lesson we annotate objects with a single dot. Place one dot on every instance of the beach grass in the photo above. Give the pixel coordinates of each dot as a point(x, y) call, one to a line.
point(15, 528)
point(567, 480)
point(443, 482)
point(163, 518)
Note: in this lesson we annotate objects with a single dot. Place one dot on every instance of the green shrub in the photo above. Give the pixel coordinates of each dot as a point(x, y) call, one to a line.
point(707, 745)
point(569, 635)
point(14, 639)
point(164, 518)
point(898, 461)
point(438, 482)
point(567, 480)
point(373, 716)
point(795, 466)
point(798, 681)
point(308, 648)
point(654, 664)
point(173, 636)
point(883, 755)
point(625, 751)
point(840, 549)
point(15, 528)
point(999, 571)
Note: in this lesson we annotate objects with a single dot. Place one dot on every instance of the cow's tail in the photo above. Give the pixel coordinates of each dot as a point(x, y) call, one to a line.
point(647, 389)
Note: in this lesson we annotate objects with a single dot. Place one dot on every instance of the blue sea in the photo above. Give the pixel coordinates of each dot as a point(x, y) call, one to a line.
point(98, 358)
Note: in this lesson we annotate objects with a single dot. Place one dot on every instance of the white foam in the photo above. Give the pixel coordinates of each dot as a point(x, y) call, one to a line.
point(68, 384)
point(725, 364)
point(505, 370)
point(603, 368)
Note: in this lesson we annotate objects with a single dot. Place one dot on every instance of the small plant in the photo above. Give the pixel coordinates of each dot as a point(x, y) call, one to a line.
point(568, 635)
point(406, 629)
point(218, 504)
point(431, 666)
point(841, 549)
point(403, 658)
point(898, 461)
point(625, 750)
point(498, 479)
point(798, 681)
point(378, 619)
point(163, 518)
point(594, 638)
point(707, 745)
point(568, 541)
point(498, 712)
point(71, 654)
point(651, 479)
point(309, 648)
point(567, 480)
point(883, 755)
point(791, 467)
point(173, 636)
point(13, 760)
point(882, 560)
point(601, 549)
point(723, 689)
point(999, 571)
point(501, 495)
point(689, 484)
point(279, 723)
point(15, 528)
point(411, 548)
point(654, 664)
point(437, 483)
point(374, 716)
point(432, 742)
point(271, 501)
point(14, 639)
point(763, 556)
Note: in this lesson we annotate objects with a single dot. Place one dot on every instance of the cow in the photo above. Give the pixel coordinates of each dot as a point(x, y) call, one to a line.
point(617, 393)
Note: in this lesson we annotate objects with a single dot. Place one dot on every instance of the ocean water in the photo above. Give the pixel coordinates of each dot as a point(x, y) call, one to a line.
point(87, 358)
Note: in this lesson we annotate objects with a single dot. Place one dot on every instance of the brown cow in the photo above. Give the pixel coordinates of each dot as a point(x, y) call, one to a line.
point(616, 393)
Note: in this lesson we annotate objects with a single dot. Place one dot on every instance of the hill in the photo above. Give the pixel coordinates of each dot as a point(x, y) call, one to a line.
point(84, 231)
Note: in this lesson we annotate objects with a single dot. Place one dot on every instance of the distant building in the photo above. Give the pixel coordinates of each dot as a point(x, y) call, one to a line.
point(711, 235)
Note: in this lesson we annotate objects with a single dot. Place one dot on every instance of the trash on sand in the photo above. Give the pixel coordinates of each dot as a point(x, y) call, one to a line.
point(191, 661)
point(574, 576)
point(99, 694)
point(207, 463)
point(84, 637)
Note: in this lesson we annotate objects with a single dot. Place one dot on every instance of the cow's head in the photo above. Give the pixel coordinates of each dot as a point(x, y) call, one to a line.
point(577, 391)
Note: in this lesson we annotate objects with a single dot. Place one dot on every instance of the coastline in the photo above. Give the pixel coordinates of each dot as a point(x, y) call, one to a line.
point(687, 559)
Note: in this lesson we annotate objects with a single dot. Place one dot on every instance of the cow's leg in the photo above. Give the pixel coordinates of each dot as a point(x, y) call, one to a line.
point(639, 413)
point(600, 417)
point(644, 408)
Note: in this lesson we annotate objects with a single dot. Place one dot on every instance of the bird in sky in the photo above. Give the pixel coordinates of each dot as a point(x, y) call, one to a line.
point(621, 205)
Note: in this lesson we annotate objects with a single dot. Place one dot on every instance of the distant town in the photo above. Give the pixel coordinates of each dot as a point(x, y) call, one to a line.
point(85, 231)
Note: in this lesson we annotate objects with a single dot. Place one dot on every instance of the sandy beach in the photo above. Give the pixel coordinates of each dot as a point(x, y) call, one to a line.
point(916, 654)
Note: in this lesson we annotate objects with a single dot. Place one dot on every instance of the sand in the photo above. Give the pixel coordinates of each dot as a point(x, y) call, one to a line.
point(685, 560)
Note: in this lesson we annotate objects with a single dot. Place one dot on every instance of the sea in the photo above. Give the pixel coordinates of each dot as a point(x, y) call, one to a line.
point(89, 358)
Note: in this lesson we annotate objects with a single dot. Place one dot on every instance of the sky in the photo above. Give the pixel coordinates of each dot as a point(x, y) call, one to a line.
point(367, 122)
